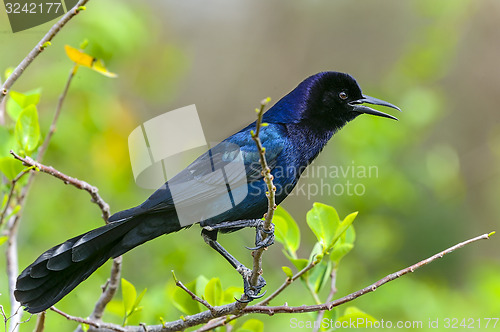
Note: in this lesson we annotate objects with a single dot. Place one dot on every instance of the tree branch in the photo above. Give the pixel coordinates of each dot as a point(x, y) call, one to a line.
point(93, 191)
point(11, 195)
point(39, 48)
point(52, 129)
point(2, 108)
point(331, 294)
point(287, 283)
point(330, 305)
point(195, 297)
point(11, 252)
point(109, 289)
point(97, 325)
point(271, 190)
point(233, 309)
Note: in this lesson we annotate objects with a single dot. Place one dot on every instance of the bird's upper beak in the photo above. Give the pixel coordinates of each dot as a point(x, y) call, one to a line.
point(357, 107)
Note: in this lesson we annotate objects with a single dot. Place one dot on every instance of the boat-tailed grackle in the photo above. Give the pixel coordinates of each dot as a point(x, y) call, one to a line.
point(299, 126)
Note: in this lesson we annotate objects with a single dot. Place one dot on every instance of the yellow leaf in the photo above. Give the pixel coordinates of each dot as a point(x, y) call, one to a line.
point(88, 61)
point(79, 57)
point(98, 66)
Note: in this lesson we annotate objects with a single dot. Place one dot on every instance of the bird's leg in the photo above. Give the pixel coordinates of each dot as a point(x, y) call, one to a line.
point(210, 237)
point(261, 241)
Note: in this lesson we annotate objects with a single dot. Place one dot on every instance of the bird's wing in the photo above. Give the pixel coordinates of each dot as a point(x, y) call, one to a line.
point(227, 166)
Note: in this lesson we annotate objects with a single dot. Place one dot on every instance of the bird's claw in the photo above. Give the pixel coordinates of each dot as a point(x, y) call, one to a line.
point(250, 291)
point(260, 241)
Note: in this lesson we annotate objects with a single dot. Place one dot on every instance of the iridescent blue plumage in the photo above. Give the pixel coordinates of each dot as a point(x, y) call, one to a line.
point(299, 127)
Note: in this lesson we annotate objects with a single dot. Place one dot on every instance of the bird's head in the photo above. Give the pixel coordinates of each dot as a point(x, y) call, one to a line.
point(329, 99)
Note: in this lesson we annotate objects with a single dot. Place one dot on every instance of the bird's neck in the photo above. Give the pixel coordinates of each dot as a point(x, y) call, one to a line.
point(308, 141)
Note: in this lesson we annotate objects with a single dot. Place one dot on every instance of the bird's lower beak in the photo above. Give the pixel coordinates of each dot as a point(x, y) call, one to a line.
point(357, 107)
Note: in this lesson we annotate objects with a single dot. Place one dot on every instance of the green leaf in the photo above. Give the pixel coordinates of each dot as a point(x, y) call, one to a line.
point(286, 230)
point(330, 316)
point(129, 295)
point(323, 221)
point(288, 271)
point(316, 254)
point(3, 239)
point(19, 101)
point(115, 307)
point(252, 325)
point(10, 167)
point(339, 251)
point(320, 275)
point(230, 293)
point(139, 298)
point(4, 202)
point(130, 299)
point(84, 44)
point(344, 225)
point(28, 129)
point(8, 142)
point(5, 137)
point(299, 263)
point(354, 314)
point(199, 287)
point(213, 292)
point(349, 236)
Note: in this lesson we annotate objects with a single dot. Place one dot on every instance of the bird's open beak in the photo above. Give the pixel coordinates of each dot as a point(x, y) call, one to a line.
point(357, 107)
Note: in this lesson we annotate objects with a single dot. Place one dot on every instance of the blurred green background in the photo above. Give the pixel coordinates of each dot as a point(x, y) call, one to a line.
point(438, 177)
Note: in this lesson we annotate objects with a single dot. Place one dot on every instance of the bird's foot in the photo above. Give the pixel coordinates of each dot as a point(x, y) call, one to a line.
point(251, 292)
point(260, 240)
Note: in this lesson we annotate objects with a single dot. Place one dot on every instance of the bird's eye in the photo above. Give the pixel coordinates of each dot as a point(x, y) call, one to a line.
point(343, 95)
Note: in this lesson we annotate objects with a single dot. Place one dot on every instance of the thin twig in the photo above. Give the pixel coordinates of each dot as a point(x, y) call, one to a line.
point(11, 194)
point(13, 225)
point(97, 325)
point(215, 323)
point(40, 322)
point(271, 190)
point(287, 283)
point(2, 108)
point(13, 271)
point(52, 129)
point(42, 44)
point(4, 315)
point(195, 297)
point(109, 289)
point(331, 294)
point(232, 309)
point(107, 295)
point(330, 305)
point(93, 191)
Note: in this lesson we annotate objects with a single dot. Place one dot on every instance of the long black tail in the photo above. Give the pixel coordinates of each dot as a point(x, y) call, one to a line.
point(60, 269)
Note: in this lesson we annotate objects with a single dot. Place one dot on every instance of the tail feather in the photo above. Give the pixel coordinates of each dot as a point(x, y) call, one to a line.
point(60, 269)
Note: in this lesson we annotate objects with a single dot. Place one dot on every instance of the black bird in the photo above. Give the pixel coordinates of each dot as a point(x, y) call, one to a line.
point(299, 126)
